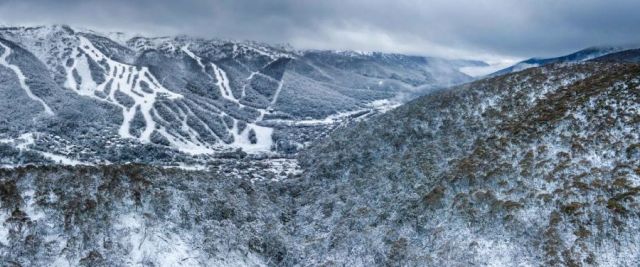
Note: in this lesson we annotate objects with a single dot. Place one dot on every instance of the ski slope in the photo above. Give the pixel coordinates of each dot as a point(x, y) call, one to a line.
point(125, 79)
point(21, 78)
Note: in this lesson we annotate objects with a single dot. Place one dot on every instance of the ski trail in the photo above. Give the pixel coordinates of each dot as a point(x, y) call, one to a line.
point(190, 112)
point(251, 77)
point(222, 81)
point(186, 50)
point(22, 79)
point(223, 84)
point(277, 94)
point(244, 87)
point(123, 78)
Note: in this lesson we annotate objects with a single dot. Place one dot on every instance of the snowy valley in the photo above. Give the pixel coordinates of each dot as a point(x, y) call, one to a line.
point(181, 151)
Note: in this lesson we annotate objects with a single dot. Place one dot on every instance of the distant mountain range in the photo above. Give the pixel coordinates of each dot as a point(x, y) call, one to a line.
point(625, 56)
point(592, 53)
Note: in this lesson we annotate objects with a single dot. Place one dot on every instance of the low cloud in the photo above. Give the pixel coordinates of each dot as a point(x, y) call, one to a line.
point(494, 30)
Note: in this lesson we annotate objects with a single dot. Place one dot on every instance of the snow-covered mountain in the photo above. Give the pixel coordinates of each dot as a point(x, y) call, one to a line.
point(625, 56)
point(538, 167)
point(90, 97)
point(580, 56)
point(534, 168)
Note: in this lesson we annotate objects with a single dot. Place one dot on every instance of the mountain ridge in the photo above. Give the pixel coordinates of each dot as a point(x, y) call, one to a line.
point(259, 94)
point(578, 56)
point(534, 167)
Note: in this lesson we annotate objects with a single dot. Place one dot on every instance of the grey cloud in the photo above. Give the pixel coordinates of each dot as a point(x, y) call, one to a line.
point(451, 28)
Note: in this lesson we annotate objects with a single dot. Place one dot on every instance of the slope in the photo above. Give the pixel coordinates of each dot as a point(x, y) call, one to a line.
point(579, 56)
point(535, 167)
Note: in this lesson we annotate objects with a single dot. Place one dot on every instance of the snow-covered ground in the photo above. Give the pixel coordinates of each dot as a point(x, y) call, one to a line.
point(273, 169)
point(24, 141)
point(375, 107)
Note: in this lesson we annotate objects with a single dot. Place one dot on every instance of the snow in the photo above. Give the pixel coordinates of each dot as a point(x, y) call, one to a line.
point(377, 106)
point(223, 84)
point(4, 230)
point(192, 147)
point(124, 78)
point(30, 206)
point(384, 105)
point(283, 166)
point(277, 94)
point(245, 86)
point(21, 78)
point(188, 167)
point(497, 253)
point(222, 81)
point(61, 159)
point(262, 51)
point(61, 262)
point(87, 85)
point(186, 50)
point(263, 137)
point(25, 140)
point(146, 244)
point(241, 140)
point(353, 53)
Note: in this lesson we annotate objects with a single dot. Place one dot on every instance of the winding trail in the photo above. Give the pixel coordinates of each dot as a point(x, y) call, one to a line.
point(21, 78)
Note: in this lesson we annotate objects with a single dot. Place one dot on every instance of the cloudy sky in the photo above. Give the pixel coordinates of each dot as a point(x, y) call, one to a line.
point(481, 29)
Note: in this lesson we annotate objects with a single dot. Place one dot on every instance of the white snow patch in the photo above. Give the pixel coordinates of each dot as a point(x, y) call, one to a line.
point(223, 83)
point(384, 105)
point(188, 167)
point(24, 141)
point(378, 106)
point(498, 253)
point(30, 206)
point(4, 230)
point(146, 244)
point(186, 50)
point(61, 261)
point(277, 94)
point(283, 166)
point(263, 138)
point(61, 159)
point(241, 140)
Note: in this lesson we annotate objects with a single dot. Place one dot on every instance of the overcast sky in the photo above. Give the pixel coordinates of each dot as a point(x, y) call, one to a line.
point(479, 29)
